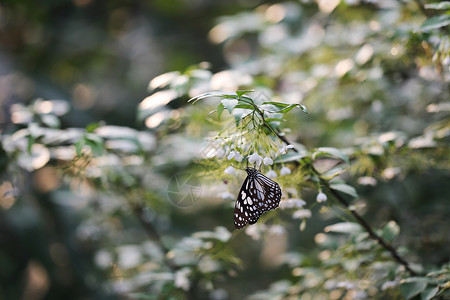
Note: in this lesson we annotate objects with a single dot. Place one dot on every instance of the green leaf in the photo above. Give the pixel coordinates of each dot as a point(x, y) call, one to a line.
point(330, 151)
point(429, 293)
point(412, 287)
point(220, 109)
point(246, 106)
point(285, 107)
point(91, 127)
point(273, 120)
point(79, 146)
point(344, 188)
point(390, 231)
point(31, 141)
point(435, 23)
point(438, 5)
point(344, 227)
point(225, 95)
point(277, 104)
point(330, 174)
point(243, 92)
point(291, 156)
point(95, 143)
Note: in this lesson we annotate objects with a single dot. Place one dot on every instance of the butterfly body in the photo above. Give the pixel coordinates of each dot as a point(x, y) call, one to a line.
point(257, 195)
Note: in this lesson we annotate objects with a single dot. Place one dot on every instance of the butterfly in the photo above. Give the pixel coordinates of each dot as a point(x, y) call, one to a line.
point(258, 194)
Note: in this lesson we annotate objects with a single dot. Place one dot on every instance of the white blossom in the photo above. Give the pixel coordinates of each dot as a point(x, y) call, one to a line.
point(285, 171)
point(236, 155)
point(277, 230)
point(227, 196)
point(255, 158)
point(267, 161)
point(301, 214)
point(321, 197)
point(230, 171)
point(255, 231)
point(182, 280)
point(292, 203)
point(367, 180)
point(220, 153)
point(346, 285)
point(284, 149)
point(229, 103)
point(388, 285)
point(271, 174)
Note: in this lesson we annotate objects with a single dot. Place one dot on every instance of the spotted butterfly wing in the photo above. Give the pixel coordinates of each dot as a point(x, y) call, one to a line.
point(258, 194)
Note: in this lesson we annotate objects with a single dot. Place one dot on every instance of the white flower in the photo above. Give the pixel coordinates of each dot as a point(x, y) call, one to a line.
point(255, 158)
point(292, 203)
point(388, 285)
point(267, 161)
point(255, 231)
point(277, 230)
point(220, 153)
point(301, 214)
point(181, 279)
point(285, 171)
point(346, 285)
point(284, 149)
point(236, 155)
point(229, 103)
point(230, 171)
point(227, 196)
point(231, 155)
point(367, 180)
point(271, 174)
point(321, 197)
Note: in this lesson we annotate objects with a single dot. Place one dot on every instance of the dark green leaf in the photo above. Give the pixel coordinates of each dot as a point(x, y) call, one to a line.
point(435, 23)
point(329, 151)
point(429, 293)
point(438, 5)
point(390, 231)
point(344, 227)
point(344, 188)
point(330, 174)
point(412, 288)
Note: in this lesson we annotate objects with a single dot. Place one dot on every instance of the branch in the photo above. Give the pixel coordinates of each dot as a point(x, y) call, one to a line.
point(357, 216)
point(369, 230)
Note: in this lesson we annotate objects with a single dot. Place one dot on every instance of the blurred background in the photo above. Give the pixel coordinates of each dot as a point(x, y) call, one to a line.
point(374, 75)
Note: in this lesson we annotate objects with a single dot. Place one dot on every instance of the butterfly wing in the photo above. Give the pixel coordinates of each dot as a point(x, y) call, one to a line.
point(257, 195)
point(271, 192)
point(246, 207)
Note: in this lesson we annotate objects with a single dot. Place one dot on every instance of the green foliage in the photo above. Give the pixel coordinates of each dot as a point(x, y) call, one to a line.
point(354, 127)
